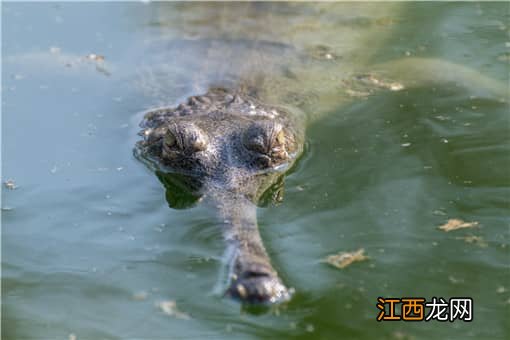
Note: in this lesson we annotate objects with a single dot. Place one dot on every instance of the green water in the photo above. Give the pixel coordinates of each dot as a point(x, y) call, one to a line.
point(90, 246)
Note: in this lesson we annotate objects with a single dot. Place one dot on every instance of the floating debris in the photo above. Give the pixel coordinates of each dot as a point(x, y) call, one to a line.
point(140, 296)
point(395, 86)
point(54, 50)
point(477, 240)
point(322, 52)
point(455, 280)
point(354, 93)
point(399, 335)
point(344, 259)
point(73, 336)
point(94, 57)
point(9, 184)
point(455, 223)
point(371, 79)
point(441, 117)
point(170, 308)
point(505, 57)
point(98, 60)
point(501, 290)
point(364, 85)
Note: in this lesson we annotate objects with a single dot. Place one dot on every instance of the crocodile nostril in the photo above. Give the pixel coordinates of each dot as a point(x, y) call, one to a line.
point(252, 274)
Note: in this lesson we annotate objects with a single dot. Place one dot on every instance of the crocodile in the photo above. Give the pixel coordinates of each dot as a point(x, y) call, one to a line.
point(230, 147)
point(234, 143)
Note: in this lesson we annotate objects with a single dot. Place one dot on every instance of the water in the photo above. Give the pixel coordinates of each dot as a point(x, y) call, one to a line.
point(90, 246)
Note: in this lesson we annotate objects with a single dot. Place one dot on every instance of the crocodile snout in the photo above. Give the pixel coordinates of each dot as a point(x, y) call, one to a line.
point(258, 287)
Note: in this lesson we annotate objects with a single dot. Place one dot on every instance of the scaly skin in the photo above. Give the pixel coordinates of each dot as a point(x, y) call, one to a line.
point(229, 147)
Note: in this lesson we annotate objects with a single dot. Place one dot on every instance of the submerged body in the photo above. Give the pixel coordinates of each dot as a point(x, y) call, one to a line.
point(227, 146)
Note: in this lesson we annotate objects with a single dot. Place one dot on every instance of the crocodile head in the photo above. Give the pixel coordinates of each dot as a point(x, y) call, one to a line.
point(231, 148)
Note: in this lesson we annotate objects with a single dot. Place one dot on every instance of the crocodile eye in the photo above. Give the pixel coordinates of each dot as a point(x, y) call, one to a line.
point(169, 139)
point(186, 137)
point(279, 140)
point(197, 141)
point(266, 138)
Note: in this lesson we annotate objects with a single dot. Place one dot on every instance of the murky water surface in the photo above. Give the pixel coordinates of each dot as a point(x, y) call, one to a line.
point(407, 113)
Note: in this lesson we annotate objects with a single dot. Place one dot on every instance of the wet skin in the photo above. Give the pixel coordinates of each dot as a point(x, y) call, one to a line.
point(228, 148)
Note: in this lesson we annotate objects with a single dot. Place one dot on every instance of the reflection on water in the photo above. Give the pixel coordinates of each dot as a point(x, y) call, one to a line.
point(91, 248)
